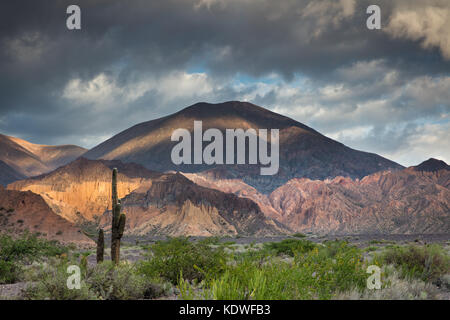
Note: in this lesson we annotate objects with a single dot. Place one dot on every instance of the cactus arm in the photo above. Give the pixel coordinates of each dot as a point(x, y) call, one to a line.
point(121, 225)
point(100, 246)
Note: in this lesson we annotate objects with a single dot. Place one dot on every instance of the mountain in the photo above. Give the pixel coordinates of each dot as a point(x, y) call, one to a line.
point(8, 174)
point(432, 165)
point(155, 203)
point(304, 152)
point(173, 205)
point(403, 201)
point(28, 159)
point(26, 211)
point(81, 190)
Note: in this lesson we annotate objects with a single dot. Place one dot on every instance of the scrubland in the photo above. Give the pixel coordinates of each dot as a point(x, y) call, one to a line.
point(213, 268)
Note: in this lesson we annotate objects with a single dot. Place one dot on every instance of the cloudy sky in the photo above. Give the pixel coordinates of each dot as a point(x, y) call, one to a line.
point(385, 91)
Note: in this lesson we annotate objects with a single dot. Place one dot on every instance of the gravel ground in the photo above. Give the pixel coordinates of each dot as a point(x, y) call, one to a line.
point(12, 291)
point(356, 238)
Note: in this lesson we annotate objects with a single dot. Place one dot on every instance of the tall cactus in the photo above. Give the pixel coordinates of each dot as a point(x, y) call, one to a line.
point(118, 221)
point(100, 246)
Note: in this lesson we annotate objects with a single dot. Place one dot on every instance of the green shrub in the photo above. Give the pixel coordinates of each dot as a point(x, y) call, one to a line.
point(28, 246)
point(289, 246)
point(13, 252)
point(424, 262)
point(313, 274)
point(104, 281)
point(52, 284)
point(9, 272)
point(299, 235)
point(121, 282)
point(167, 259)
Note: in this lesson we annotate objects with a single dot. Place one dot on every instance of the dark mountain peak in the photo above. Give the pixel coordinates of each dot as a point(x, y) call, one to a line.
point(304, 152)
point(432, 165)
point(246, 111)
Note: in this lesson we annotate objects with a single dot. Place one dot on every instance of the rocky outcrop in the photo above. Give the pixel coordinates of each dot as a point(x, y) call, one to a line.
point(81, 190)
point(174, 205)
point(26, 211)
point(407, 201)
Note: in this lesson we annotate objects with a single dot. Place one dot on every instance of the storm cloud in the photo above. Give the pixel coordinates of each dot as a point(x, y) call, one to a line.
point(384, 91)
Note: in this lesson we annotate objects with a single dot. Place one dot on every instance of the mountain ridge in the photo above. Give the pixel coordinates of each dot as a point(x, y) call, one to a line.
point(29, 159)
point(22, 211)
point(304, 152)
point(403, 201)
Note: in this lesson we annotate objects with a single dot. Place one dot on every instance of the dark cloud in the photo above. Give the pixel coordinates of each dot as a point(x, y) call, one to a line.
point(136, 60)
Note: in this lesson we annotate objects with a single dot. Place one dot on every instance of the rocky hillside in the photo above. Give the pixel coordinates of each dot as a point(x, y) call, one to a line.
point(26, 211)
point(81, 190)
point(8, 174)
point(155, 203)
point(174, 205)
point(432, 165)
point(304, 152)
point(28, 159)
point(406, 201)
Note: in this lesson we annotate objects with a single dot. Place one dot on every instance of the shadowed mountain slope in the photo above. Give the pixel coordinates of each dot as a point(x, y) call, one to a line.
point(8, 174)
point(432, 165)
point(30, 159)
point(303, 151)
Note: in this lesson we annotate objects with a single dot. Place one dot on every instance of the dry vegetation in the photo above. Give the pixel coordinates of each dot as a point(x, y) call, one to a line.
point(179, 268)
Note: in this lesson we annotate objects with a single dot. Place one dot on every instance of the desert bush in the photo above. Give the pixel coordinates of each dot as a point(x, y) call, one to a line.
point(313, 274)
point(28, 246)
point(110, 282)
point(15, 252)
point(299, 235)
point(167, 259)
point(289, 246)
point(395, 287)
point(52, 284)
point(104, 281)
point(427, 263)
point(9, 272)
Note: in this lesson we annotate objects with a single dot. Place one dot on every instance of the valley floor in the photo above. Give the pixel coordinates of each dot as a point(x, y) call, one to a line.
point(301, 266)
